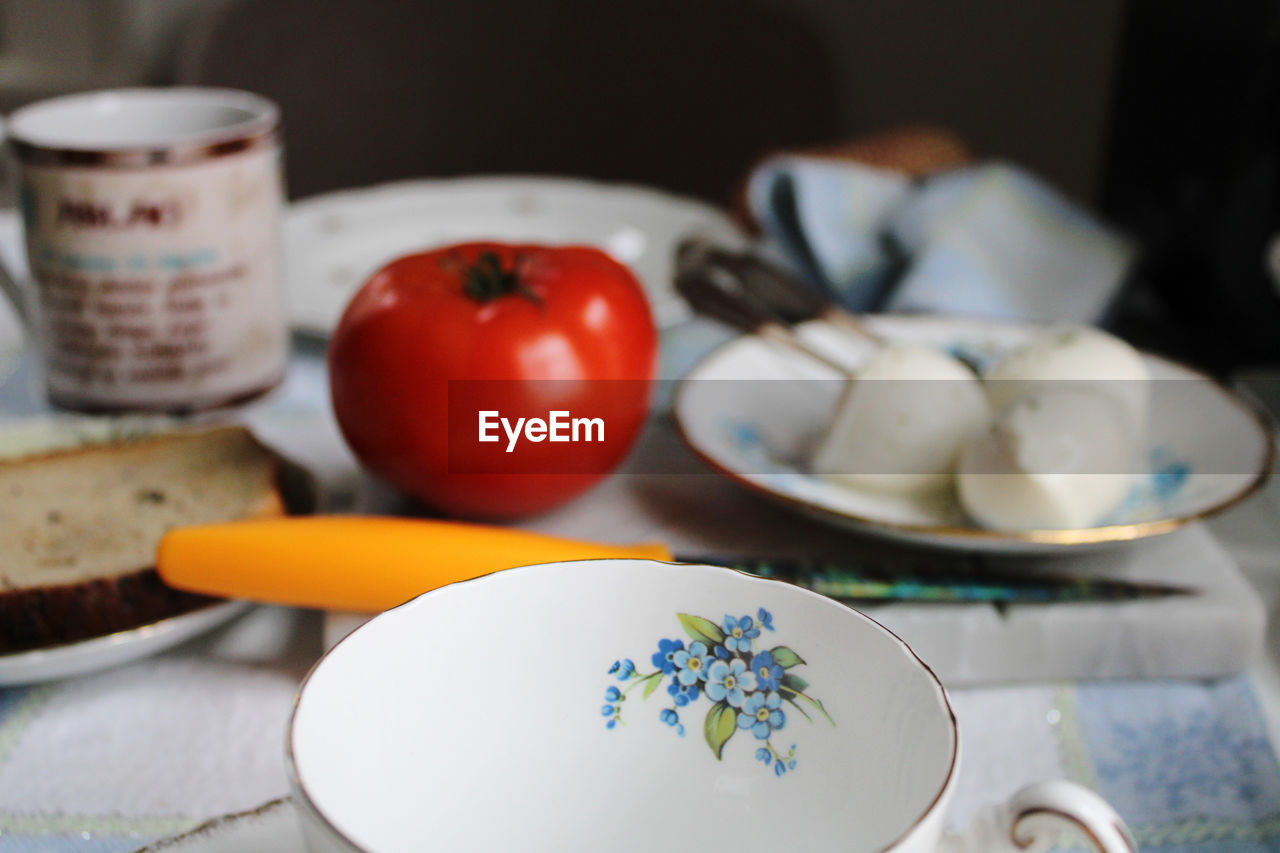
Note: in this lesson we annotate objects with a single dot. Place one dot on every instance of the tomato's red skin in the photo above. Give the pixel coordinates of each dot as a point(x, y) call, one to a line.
point(412, 328)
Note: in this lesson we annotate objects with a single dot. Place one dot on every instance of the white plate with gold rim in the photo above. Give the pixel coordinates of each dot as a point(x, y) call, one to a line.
point(97, 653)
point(1207, 449)
point(334, 242)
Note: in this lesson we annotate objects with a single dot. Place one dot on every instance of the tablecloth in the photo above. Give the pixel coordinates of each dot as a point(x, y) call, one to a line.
point(108, 761)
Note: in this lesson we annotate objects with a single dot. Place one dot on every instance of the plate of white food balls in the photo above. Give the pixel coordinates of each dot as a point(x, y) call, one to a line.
point(975, 433)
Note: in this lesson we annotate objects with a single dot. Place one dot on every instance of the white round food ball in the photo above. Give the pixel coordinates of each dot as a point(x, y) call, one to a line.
point(1073, 357)
point(902, 421)
point(1060, 459)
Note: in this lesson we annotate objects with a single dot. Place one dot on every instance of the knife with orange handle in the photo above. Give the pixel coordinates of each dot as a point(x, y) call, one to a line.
point(356, 563)
point(368, 564)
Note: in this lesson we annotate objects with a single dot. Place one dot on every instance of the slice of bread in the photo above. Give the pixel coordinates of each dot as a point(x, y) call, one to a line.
point(79, 528)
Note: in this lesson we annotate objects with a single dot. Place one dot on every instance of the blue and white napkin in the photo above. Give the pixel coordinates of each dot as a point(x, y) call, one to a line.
point(987, 239)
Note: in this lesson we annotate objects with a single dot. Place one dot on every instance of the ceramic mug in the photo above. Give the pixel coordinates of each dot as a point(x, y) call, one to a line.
point(151, 219)
point(633, 705)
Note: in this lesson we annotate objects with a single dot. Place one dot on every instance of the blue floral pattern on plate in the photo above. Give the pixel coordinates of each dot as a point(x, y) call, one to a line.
point(1152, 496)
point(746, 686)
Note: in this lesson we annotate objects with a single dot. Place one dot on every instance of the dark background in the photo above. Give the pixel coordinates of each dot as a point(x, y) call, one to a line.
point(388, 88)
point(1159, 114)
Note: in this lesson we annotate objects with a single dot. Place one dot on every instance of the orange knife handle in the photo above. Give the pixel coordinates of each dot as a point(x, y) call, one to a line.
point(357, 563)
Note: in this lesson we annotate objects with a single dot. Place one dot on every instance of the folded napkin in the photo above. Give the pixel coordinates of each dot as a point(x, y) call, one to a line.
point(1187, 764)
point(826, 218)
point(981, 239)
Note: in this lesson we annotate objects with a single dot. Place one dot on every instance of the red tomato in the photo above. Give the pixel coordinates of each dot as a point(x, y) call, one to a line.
point(412, 361)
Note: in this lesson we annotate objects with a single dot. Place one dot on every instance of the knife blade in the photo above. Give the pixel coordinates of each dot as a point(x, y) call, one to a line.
point(369, 564)
point(880, 581)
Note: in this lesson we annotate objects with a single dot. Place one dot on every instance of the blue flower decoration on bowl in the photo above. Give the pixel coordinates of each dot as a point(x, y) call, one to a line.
point(739, 633)
point(762, 714)
point(683, 694)
point(664, 657)
point(692, 664)
point(730, 681)
point(745, 686)
point(768, 674)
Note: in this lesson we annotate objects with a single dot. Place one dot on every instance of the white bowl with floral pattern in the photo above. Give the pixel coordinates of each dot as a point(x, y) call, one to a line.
point(633, 705)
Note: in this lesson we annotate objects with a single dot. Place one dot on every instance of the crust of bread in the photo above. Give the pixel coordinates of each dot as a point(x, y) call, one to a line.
point(59, 613)
point(55, 615)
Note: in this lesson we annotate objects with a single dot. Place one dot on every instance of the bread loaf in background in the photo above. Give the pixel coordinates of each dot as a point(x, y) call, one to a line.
point(79, 528)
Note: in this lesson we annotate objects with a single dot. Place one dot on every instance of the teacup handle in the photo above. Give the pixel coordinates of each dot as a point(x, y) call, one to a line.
point(9, 286)
point(1035, 817)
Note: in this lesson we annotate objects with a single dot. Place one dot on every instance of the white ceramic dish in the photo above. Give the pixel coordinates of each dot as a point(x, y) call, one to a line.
point(1206, 450)
point(40, 433)
point(85, 656)
point(487, 715)
point(333, 242)
point(270, 827)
